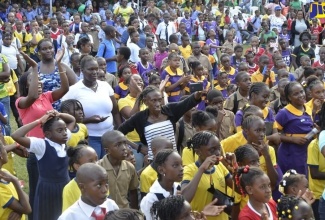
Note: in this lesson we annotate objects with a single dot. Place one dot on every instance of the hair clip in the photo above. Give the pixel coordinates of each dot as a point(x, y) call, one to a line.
point(296, 207)
point(246, 169)
point(284, 183)
point(292, 171)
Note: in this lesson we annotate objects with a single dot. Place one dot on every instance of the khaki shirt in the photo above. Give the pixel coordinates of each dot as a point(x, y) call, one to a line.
point(227, 127)
point(204, 60)
point(119, 185)
point(229, 103)
point(274, 93)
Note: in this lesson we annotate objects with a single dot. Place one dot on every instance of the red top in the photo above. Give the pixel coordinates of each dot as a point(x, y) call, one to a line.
point(248, 212)
point(319, 64)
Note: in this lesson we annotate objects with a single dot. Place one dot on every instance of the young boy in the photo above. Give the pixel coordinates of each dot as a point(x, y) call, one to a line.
point(55, 31)
point(282, 74)
point(160, 54)
point(144, 66)
point(313, 44)
point(227, 126)
point(185, 48)
point(281, 101)
point(299, 73)
point(84, 33)
point(284, 34)
point(92, 181)
point(321, 62)
point(222, 83)
point(122, 176)
point(237, 58)
point(110, 78)
point(75, 27)
point(149, 47)
point(240, 98)
point(187, 20)
point(285, 51)
point(149, 175)
point(264, 74)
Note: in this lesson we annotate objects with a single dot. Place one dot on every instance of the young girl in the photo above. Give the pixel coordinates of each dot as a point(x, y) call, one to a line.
point(293, 183)
point(144, 67)
point(52, 161)
point(177, 80)
point(256, 184)
point(236, 59)
point(133, 44)
point(84, 46)
point(78, 155)
point(252, 66)
point(197, 77)
point(165, 185)
point(79, 133)
point(121, 90)
point(122, 58)
point(212, 42)
point(14, 201)
point(222, 83)
point(255, 48)
point(160, 54)
point(225, 67)
point(294, 121)
point(291, 207)
point(206, 173)
point(317, 91)
point(154, 80)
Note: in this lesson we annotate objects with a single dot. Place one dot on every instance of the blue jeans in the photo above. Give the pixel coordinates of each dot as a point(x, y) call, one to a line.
point(321, 208)
point(138, 160)
point(96, 143)
point(6, 102)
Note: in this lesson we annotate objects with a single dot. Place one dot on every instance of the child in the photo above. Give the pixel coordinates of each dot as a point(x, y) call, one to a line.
point(240, 98)
point(284, 35)
point(160, 54)
point(199, 28)
point(24, 37)
point(252, 66)
point(181, 32)
point(151, 50)
point(133, 44)
point(185, 48)
point(122, 175)
point(13, 199)
point(206, 51)
point(299, 72)
point(154, 80)
point(52, 161)
point(229, 42)
point(144, 66)
point(243, 66)
point(260, 205)
point(177, 80)
point(316, 29)
point(317, 91)
point(231, 89)
point(303, 50)
point(227, 125)
point(212, 42)
point(166, 184)
point(257, 51)
point(291, 207)
point(285, 51)
point(55, 31)
point(222, 84)
point(121, 90)
point(264, 74)
point(279, 102)
point(265, 34)
point(74, 108)
point(120, 29)
point(109, 78)
point(149, 175)
point(84, 46)
point(122, 58)
point(237, 58)
point(313, 44)
point(197, 70)
point(92, 181)
point(187, 20)
point(321, 62)
point(225, 67)
point(78, 155)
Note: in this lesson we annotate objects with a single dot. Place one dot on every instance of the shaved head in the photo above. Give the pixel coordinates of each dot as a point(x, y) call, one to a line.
point(89, 172)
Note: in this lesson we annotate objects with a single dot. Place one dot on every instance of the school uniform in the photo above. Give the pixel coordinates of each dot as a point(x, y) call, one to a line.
point(147, 178)
point(80, 210)
point(121, 91)
point(52, 163)
point(165, 30)
point(298, 52)
point(159, 57)
point(276, 105)
point(258, 77)
point(206, 86)
point(239, 99)
point(71, 194)
point(227, 126)
point(234, 63)
point(274, 93)
point(216, 176)
point(293, 122)
point(248, 212)
point(298, 73)
point(186, 51)
point(232, 73)
point(143, 72)
point(188, 132)
point(222, 90)
point(10, 164)
point(204, 60)
point(80, 133)
point(119, 185)
point(175, 94)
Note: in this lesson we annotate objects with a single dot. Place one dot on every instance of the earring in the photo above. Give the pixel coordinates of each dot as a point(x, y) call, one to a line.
point(164, 174)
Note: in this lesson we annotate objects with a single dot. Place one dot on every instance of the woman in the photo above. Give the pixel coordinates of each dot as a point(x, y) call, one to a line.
point(297, 27)
point(128, 106)
point(123, 10)
point(157, 119)
point(277, 19)
point(302, 50)
point(48, 69)
point(142, 36)
point(33, 104)
point(98, 101)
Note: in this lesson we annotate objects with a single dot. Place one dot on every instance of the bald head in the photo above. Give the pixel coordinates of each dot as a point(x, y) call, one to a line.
point(172, 47)
point(90, 172)
point(159, 143)
point(112, 137)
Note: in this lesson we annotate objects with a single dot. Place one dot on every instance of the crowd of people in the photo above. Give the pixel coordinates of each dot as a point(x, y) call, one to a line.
point(156, 110)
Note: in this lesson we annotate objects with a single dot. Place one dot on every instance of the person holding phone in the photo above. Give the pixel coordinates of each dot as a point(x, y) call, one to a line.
point(98, 101)
point(264, 74)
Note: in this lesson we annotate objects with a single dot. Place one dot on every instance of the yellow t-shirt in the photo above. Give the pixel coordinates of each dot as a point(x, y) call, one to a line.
point(10, 164)
point(79, 135)
point(222, 20)
point(22, 39)
point(147, 178)
point(316, 159)
point(186, 51)
point(125, 12)
point(231, 143)
point(11, 84)
point(71, 193)
point(258, 77)
point(8, 193)
point(39, 37)
point(129, 101)
point(202, 197)
point(188, 157)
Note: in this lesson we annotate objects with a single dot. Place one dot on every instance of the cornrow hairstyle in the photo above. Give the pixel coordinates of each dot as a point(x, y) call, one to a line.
point(160, 159)
point(213, 93)
point(212, 110)
point(246, 176)
point(66, 105)
point(194, 64)
point(288, 89)
point(168, 209)
point(145, 92)
point(48, 125)
point(122, 214)
point(42, 41)
point(248, 121)
point(249, 110)
point(172, 55)
point(290, 178)
point(256, 88)
point(125, 52)
point(120, 72)
point(311, 81)
point(75, 153)
point(82, 42)
point(286, 206)
point(23, 89)
point(85, 59)
point(244, 151)
point(131, 30)
point(199, 139)
point(201, 118)
point(308, 71)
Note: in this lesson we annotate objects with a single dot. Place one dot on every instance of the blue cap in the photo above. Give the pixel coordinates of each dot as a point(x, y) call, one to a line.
point(278, 7)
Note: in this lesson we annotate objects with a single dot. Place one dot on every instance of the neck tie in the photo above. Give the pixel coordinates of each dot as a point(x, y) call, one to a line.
point(99, 213)
point(166, 33)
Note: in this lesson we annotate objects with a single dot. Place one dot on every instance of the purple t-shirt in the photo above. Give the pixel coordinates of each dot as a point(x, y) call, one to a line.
point(234, 63)
point(143, 71)
point(286, 56)
point(239, 117)
point(172, 96)
point(121, 92)
point(188, 23)
point(158, 58)
point(211, 25)
point(215, 42)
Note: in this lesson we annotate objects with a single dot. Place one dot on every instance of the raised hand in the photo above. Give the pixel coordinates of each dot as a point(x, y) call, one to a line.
point(59, 54)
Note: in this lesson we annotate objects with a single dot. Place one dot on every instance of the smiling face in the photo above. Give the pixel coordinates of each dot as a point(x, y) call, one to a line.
point(46, 50)
point(256, 132)
point(261, 99)
point(297, 96)
point(318, 91)
point(90, 71)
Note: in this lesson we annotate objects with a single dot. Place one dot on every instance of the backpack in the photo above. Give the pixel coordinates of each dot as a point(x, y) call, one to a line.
point(235, 109)
point(250, 27)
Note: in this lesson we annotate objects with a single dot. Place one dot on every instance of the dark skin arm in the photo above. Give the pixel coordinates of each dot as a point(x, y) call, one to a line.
point(115, 112)
point(5, 74)
point(183, 82)
point(316, 174)
point(293, 62)
point(134, 199)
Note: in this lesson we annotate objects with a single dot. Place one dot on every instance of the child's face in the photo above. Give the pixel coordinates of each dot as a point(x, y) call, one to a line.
point(182, 29)
point(86, 48)
point(130, 157)
point(212, 148)
point(58, 132)
point(318, 91)
point(223, 80)
point(245, 82)
point(256, 132)
point(254, 42)
point(101, 75)
point(322, 54)
point(217, 102)
point(264, 62)
point(262, 98)
point(126, 73)
point(239, 52)
point(156, 82)
point(252, 160)
point(76, 19)
point(313, 40)
point(199, 71)
point(205, 50)
point(320, 74)
point(149, 42)
point(144, 55)
point(250, 58)
point(172, 167)
point(260, 189)
point(283, 75)
point(162, 47)
point(305, 62)
point(225, 62)
point(89, 155)
point(185, 41)
point(281, 88)
point(77, 112)
point(243, 67)
point(122, 21)
point(230, 37)
point(175, 62)
point(187, 14)
point(75, 62)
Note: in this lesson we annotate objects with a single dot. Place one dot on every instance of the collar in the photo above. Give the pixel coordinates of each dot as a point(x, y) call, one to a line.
point(265, 112)
point(179, 72)
point(231, 72)
point(56, 145)
point(304, 49)
point(88, 209)
point(156, 188)
point(195, 79)
point(123, 86)
point(297, 112)
point(218, 87)
point(107, 164)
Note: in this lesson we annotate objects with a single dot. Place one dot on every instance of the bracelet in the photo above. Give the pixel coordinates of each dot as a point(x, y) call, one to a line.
point(62, 72)
point(139, 148)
